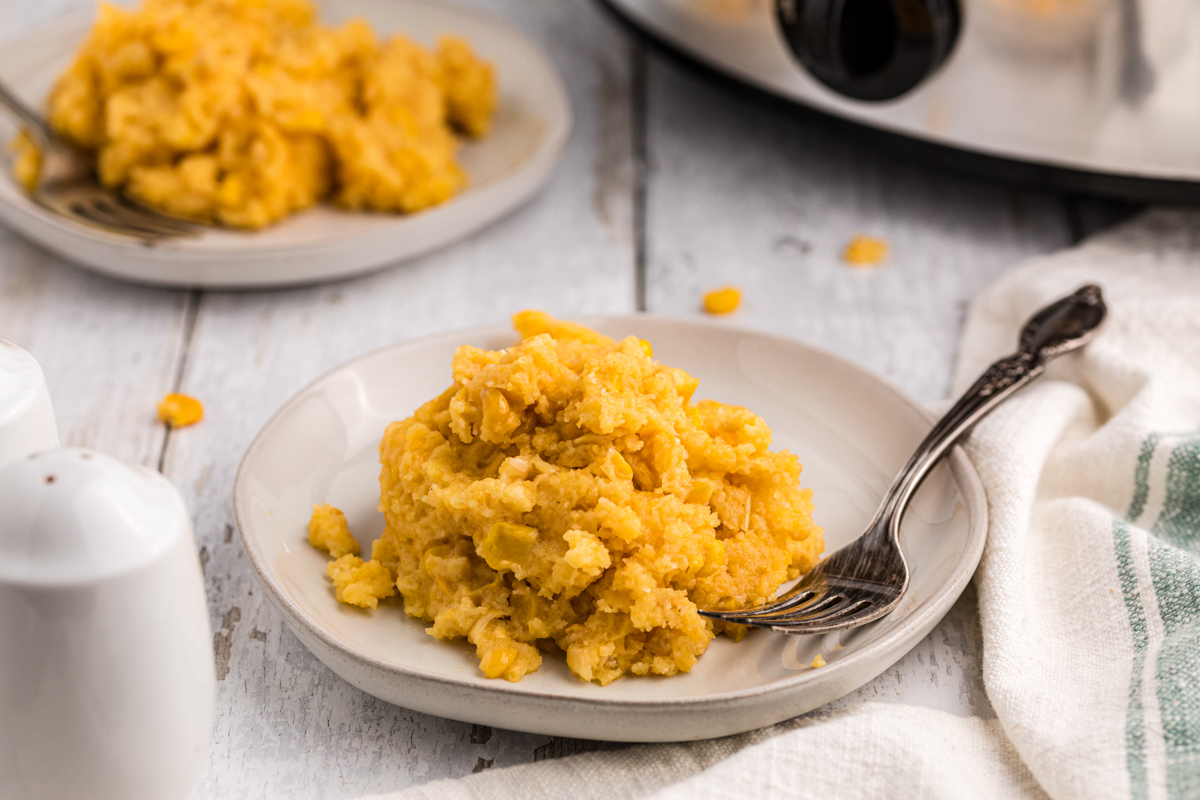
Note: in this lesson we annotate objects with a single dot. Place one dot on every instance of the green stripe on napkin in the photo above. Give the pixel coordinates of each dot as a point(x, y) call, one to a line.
point(1141, 477)
point(1177, 584)
point(1179, 522)
point(1175, 580)
point(1135, 724)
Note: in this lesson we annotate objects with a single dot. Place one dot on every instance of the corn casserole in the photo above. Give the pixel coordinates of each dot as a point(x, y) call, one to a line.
point(241, 112)
point(567, 494)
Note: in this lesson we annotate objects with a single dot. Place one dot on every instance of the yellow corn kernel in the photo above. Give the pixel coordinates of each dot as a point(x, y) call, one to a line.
point(646, 346)
point(497, 414)
point(310, 120)
point(231, 192)
point(865, 251)
point(685, 384)
point(180, 410)
point(714, 558)
point(723, 301)
point(614, 467)
point(508, 546)
point(531, 323)
point(621, 469)
point(818, 662)
point(496, 662)
point(701, 491)
point(514, 469)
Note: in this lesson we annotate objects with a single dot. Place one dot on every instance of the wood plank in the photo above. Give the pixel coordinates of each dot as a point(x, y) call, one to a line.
point(749, 193)
point(287, 726)
point(109, 350)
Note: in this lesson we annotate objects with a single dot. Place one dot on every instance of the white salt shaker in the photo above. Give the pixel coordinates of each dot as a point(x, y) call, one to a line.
point(107, 684)
point(26, 415)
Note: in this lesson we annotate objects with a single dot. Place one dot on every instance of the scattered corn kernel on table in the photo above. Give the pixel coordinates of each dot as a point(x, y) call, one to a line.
point(671, 186)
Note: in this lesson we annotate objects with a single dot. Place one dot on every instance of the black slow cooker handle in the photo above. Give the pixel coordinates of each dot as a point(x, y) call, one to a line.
point(870, 49)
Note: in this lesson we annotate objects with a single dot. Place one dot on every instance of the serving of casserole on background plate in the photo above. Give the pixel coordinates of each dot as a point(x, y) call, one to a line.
point(531, 126)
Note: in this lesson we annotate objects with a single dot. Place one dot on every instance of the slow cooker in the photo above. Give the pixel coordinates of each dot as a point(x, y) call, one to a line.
point(1099, 95)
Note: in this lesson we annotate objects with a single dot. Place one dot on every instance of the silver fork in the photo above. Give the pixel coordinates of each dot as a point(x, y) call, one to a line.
point(67, 186)
point(866, 579)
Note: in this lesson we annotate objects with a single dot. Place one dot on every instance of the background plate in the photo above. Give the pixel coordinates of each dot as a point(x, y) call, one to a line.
point(532, 125)
point(851, 430)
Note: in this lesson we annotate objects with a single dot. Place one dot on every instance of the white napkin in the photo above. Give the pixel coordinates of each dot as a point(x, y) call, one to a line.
point(1089, 588)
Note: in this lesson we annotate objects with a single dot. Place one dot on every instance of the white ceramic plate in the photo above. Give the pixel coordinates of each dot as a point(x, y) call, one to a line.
point(851, 430)
point(507, 167)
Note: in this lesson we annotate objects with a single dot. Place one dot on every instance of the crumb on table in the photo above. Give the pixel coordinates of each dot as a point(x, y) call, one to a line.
point(180, 410)
point(865, 251)
point(723, 301)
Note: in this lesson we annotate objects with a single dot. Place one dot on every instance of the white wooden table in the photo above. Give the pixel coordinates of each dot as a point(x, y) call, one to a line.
point(671, 185)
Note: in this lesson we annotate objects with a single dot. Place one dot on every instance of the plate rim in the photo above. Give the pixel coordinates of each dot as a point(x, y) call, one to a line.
point(28, 219)
point(937, 605)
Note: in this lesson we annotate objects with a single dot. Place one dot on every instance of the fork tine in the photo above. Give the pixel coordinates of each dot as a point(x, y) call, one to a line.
point(103, 215)
point(771, 608)
point(157, 218)
point(850, 617)
point(95, 207)
point(797, 601)
point(829, 605)
point(840, 609)
point(766, 619)
point(92, 218)
point(98, 217)
point(137, 217)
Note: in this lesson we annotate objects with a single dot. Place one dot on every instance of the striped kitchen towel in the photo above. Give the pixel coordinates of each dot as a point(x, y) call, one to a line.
point(1089, 587)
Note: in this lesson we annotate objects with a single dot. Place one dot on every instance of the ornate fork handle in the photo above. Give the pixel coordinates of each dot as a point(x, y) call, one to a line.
point(1057, 329)
point(866, 579)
